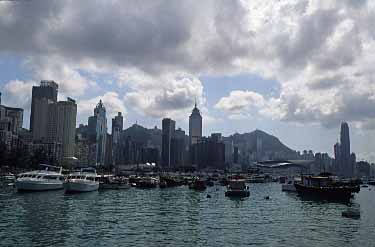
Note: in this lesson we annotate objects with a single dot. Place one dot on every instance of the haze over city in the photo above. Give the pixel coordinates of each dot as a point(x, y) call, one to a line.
point(295, 69)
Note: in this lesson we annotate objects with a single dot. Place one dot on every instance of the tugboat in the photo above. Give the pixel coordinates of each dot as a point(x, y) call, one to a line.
point(237, 188)
point(325, 187)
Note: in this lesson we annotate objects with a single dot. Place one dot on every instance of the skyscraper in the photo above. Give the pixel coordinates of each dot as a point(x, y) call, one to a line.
point(168, 132)
point(66, 126)
point(195, 126)
point(46, 90)
point(117, 127)
point(99, 123)
point(346, 168)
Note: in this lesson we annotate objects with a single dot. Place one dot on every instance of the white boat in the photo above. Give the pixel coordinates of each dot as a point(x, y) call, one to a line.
point(40, 180)
point(85, 180)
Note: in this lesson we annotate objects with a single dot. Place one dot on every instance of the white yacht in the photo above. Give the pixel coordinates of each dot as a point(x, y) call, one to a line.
point(41, 180)
point(83, 181)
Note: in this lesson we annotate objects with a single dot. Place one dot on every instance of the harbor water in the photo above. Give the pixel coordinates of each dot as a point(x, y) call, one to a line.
point(182, 217)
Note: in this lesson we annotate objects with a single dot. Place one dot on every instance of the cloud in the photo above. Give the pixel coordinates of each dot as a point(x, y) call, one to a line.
point(168, 96)
point(240, 103)
point(321, 52)
point(18, 93)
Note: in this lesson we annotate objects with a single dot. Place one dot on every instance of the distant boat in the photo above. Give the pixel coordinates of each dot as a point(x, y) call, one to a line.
point(147, 182)
point(169, 181)
point(326, 188)
point(41, 180)
point(287, 184)
point(85, 180)
point(237, 188)
point(110, 182)
point(198, 184)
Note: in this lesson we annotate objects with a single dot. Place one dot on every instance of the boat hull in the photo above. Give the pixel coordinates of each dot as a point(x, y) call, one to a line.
point(37, 186)
point(114, 186)
point(329, 193)
point(237, 193)
point(76, 187)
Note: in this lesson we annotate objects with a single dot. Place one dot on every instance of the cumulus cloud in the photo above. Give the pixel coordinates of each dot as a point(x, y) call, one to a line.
point(240, 103)
point(17, 93)
point(321, 52)
point(167, 96)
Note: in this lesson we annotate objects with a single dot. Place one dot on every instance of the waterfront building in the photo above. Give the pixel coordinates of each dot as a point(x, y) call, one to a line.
point(195, 126)
point(208, 153)
point(229, 151)
point(46, 90)
point(168, 132)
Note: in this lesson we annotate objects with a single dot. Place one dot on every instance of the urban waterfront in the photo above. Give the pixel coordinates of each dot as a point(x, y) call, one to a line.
point(182, 217)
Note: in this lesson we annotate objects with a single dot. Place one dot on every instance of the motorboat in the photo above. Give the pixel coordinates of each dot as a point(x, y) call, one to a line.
point(237, 188)
point(46, 178)
point(85, 180)
point(110, 182)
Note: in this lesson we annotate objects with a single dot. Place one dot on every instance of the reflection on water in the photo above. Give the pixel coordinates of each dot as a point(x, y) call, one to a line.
point(179, 216)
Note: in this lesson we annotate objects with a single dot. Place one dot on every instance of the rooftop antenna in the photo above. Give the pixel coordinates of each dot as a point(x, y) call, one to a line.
point(195, 102)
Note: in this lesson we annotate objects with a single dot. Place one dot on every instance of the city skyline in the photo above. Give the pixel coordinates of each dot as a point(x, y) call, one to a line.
point(286, 81)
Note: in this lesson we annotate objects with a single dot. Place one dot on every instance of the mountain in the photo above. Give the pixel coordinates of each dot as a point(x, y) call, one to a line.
point(141, 134)
point(258, 145)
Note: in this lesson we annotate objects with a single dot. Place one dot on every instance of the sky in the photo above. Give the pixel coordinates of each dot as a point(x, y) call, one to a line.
point(293, 68)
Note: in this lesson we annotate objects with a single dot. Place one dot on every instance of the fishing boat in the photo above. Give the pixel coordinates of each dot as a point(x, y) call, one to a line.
point(110, 182)
point(325, 187)
point(46, 178)
point(237, 188)
point(85, 180)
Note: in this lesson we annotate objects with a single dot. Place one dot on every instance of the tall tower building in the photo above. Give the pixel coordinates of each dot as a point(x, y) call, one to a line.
point(117, 127)
point(47, 90)
point(100, 121)
point(346, 164)
point(195, 126)
point(168, 132)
